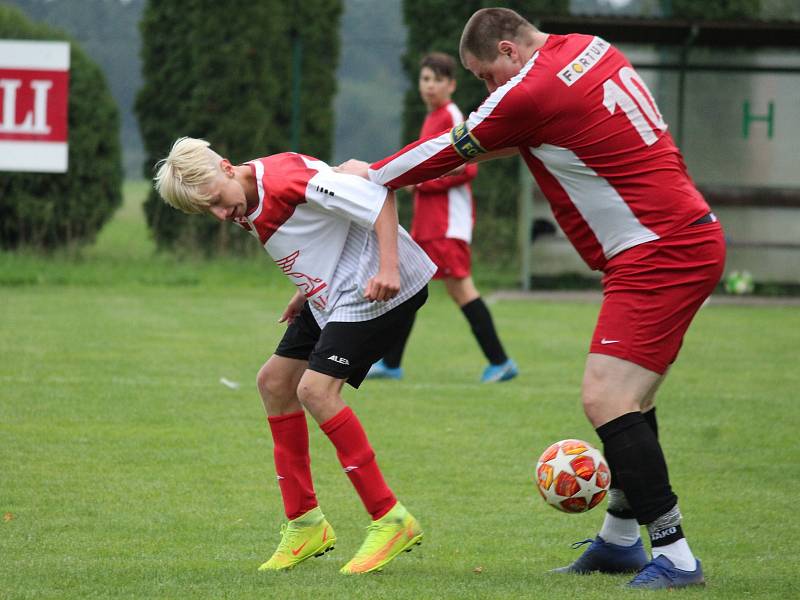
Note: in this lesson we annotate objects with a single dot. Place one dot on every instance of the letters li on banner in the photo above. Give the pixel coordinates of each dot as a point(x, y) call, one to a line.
point(34, 87)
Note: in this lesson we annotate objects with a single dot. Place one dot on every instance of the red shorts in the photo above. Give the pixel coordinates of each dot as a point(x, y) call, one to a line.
point(651, 293)
point(452, 257)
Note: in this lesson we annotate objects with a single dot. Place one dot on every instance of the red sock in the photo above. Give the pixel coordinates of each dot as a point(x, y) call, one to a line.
point(293, 463)
point(356, 456)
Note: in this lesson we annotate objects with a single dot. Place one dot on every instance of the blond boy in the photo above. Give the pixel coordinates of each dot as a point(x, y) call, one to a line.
point(358, 277)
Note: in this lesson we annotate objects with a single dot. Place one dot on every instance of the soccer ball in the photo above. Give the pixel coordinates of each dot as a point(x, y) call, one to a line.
point(739, 283)
point(572, 476)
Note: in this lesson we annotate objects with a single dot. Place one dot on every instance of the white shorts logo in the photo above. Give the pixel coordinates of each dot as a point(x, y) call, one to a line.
point(578, 66)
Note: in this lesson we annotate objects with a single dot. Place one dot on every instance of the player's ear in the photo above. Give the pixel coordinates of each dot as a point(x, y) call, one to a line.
point(505, 47)
point(226, 166)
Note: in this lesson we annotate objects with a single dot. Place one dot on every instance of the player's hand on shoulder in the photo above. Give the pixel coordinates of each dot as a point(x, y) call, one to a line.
point(293, 309)
point(354, 167)
point(383, 286)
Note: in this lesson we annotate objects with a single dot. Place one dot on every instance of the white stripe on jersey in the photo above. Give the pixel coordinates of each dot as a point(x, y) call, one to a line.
point(259, 167)
point(485, 109)
point(605, 212)
point(410, 159)
point(459, 198)
point(316, 164)
point(459, 213)
point(455, 114)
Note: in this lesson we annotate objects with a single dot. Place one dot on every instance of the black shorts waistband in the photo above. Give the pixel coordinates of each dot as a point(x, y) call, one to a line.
point(704, 220)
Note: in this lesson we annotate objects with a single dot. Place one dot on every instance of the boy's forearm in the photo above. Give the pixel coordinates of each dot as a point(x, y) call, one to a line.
point(386, 232)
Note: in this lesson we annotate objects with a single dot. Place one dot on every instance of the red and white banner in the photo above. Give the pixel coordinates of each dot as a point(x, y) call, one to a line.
point(34, 88)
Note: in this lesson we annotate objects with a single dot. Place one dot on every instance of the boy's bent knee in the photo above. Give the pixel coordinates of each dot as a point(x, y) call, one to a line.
point(276, 385)
point(271, 381)
point(320, 395)
point(310, 393)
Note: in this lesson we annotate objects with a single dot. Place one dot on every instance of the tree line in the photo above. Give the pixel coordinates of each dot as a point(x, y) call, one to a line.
point(254, 79)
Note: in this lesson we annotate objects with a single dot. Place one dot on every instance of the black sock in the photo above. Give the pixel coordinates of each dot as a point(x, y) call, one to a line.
point(637, 466)
point(480, 320)
point(650, 417)
point(618, 504)
point(394, 355)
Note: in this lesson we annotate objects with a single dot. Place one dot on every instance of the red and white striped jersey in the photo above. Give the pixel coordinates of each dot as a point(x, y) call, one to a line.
point(317, 225)
point(443, 207)
point(591, 134)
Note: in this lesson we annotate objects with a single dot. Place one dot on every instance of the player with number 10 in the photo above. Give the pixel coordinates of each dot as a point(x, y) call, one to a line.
point(589, 130)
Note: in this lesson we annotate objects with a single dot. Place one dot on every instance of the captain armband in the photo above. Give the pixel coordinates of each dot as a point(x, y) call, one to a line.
point(464, 143)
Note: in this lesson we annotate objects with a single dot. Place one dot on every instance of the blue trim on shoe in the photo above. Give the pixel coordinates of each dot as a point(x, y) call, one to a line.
point(379, 370)
point(605, 557)
point(496, 373)
point(661, 574)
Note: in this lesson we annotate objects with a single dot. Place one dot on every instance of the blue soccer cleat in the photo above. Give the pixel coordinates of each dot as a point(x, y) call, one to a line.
point(379, 370)
point(496, 373)
point(661, 574)
point(605, 557)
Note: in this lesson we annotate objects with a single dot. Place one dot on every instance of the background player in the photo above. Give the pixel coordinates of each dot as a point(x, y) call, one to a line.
point(359, 278)
point(587, 127)
point(444, 214)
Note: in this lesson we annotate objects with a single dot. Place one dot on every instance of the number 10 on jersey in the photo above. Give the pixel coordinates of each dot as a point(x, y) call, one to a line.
point(636, 101)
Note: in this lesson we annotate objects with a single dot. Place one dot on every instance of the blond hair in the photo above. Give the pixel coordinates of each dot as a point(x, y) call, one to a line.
point(487, 27)
point(188, 168)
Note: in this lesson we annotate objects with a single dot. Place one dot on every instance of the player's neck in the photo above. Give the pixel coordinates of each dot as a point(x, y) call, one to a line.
point(437, 105)
point(539, 40)
point(248, 182)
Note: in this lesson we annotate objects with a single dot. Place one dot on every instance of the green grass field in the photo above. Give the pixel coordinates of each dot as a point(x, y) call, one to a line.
point(128, 471)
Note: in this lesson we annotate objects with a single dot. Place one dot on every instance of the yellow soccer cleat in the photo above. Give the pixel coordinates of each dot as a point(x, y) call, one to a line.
point(393, 533)
point(308, 535)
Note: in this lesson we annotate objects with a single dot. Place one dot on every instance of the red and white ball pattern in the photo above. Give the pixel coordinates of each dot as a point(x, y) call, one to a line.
point(572, 476)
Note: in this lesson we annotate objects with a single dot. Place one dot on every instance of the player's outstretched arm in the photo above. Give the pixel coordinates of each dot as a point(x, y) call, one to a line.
point(293, 308)
point(463, 173)
point(386, 283)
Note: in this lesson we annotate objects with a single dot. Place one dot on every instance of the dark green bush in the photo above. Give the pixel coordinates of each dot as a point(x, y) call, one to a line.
point(51, 210)
point(222, 71)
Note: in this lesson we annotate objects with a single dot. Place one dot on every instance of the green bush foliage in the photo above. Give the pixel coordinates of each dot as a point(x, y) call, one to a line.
point(222, 71)
point(436, 25)
point(52, 210)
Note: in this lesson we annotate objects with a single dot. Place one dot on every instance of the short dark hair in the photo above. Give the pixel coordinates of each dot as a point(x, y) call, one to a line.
point(487, 27)
point(442, 65)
